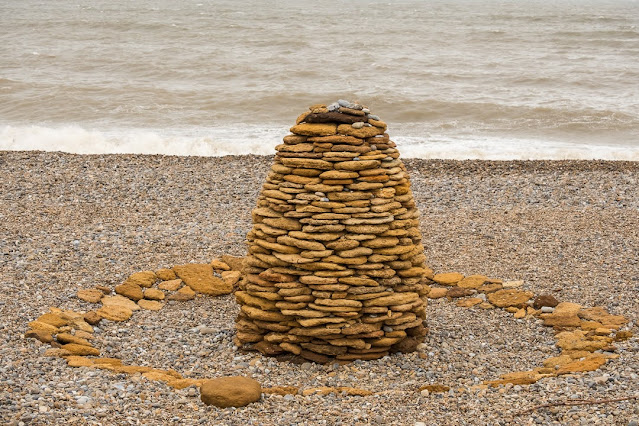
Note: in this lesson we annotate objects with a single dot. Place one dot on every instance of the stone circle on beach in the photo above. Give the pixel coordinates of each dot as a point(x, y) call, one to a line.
point(335, 266)
point(585, 336)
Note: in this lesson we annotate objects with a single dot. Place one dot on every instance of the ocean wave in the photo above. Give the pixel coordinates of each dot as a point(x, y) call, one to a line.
point(78, 140)
point(262, 141)
point(498, 148)
point(490, 115)
point(154, 107)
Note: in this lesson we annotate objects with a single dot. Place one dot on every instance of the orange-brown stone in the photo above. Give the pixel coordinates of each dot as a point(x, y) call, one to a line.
point(449, 278)
point(511, 297)
point(200, 278)
point(591, 363)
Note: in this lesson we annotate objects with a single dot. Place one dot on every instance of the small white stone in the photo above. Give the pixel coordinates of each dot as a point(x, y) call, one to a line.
point(424, 393)
point(547, 309)
point(82, 400)
point(358, 125)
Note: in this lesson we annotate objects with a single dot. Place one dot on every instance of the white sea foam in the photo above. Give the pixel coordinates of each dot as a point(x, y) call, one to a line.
point(261, 141)
point(512, 149)
point(203, 142)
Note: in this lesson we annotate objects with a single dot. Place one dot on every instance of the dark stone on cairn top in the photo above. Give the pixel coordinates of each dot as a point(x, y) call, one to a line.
point(334, 117)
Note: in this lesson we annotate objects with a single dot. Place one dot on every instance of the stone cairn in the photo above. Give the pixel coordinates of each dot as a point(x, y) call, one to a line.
point(335, 266)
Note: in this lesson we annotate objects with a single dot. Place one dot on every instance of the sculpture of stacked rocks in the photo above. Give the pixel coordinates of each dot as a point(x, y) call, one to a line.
point(335, 269)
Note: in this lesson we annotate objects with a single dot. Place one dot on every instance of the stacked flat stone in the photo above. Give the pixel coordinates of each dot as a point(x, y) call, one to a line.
point(335, 266)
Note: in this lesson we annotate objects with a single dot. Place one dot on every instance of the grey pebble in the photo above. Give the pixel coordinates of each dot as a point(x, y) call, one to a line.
point(82, 400)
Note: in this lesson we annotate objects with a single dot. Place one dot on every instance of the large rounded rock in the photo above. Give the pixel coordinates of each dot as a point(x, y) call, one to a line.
point(545, 300)
point(230, 391)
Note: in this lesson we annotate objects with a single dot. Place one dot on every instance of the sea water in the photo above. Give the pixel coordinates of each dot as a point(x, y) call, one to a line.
point(485, 79)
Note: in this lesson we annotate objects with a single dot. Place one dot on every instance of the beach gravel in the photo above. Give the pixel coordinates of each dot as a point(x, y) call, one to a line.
point(70, 222)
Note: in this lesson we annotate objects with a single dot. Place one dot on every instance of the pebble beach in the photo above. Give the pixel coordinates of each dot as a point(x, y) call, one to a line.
point(69, 222)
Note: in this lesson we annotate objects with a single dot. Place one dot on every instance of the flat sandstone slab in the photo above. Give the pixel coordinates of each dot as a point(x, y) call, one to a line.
point(199, 277)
